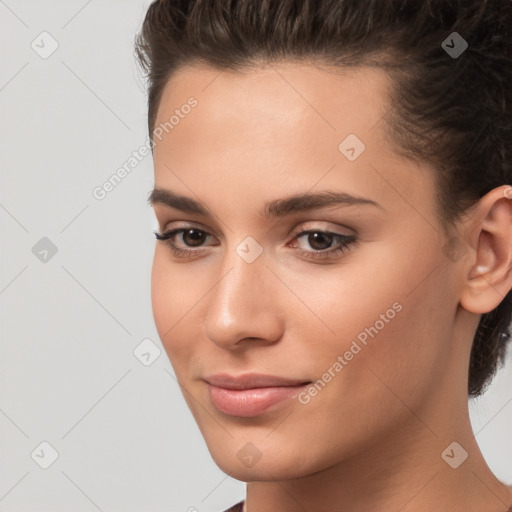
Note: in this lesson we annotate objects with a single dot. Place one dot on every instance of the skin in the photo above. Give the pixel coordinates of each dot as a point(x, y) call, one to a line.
point(372, 438)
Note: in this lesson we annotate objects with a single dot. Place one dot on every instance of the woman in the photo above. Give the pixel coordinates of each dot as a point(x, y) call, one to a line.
point(332, 273)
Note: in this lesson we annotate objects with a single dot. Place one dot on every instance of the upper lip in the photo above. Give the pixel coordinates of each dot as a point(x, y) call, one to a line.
point(251, 380)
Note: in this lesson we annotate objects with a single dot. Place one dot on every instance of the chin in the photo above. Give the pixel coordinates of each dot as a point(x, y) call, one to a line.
point(260, 461)
point(268, 471)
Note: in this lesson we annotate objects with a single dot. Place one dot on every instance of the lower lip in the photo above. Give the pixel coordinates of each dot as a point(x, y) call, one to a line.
point(251, 402)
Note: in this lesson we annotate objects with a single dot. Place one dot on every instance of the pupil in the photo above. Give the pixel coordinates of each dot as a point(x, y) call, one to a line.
point(315, 239)
point(195, 236)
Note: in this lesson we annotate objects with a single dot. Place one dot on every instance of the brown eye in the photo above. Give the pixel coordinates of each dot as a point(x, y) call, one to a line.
point(186, 242)
point(193, 237)
point(323, 244)
point(319, 240)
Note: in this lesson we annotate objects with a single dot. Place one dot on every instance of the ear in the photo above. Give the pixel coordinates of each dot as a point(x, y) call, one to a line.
point(489, 276)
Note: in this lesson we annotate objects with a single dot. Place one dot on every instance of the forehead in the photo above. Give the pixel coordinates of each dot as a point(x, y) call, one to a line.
point(277, 111)
point(283, 125)
point(285, 93)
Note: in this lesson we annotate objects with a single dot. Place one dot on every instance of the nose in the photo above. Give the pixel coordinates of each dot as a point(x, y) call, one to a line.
point(243, 305)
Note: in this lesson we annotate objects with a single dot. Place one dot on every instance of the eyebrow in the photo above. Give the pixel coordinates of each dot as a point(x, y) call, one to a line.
point(275, 208)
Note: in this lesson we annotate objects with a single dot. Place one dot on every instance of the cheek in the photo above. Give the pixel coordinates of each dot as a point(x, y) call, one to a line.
point(172, 303)
point(405, 358)
point(382, 324)
point(387, 368)
point(359, 299)
point(162, 294)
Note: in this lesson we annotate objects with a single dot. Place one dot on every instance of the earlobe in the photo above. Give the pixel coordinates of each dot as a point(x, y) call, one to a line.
point(489, 278)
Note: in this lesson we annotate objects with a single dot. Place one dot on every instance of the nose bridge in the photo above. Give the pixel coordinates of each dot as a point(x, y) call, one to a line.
point(242, 304)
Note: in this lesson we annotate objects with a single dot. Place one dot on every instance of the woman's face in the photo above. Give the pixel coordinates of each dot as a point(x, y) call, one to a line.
point(363, 305)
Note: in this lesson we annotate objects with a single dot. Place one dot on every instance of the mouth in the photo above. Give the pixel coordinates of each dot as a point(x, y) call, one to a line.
point(251, 394)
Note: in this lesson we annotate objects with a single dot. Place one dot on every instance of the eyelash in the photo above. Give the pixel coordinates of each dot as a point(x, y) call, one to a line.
point(346, 243)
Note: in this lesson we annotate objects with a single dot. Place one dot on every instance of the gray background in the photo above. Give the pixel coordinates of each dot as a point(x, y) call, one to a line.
point(70, 321)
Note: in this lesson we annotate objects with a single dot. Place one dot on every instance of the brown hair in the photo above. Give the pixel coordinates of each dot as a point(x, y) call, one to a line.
point(453, 111)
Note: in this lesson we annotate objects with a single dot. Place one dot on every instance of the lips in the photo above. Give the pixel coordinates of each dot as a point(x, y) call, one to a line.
point(251, 394)
point(251, 381)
